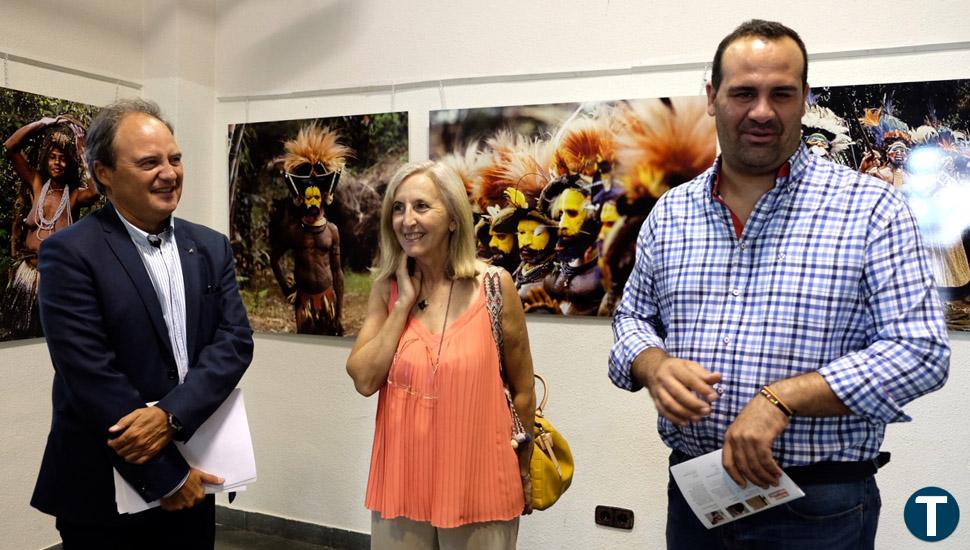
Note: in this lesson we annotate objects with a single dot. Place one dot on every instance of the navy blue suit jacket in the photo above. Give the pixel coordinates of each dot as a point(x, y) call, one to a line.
point(112, 354)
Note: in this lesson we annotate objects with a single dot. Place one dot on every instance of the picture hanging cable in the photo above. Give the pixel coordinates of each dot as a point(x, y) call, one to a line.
point(246, 117)
point(6, 70)
point(441, 94)
point(393, 91)
point(705, 76)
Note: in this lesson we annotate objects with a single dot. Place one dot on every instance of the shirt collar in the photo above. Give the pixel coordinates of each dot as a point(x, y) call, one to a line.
point(788, 176)
point(141, 237)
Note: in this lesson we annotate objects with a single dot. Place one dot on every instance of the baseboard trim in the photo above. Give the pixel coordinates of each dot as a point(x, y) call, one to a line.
point(292, 529)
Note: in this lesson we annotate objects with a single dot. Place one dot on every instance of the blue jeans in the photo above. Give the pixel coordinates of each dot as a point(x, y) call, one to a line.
point(831, 516)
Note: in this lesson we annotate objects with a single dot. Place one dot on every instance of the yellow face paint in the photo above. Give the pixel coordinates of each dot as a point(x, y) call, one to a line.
point(500, 241)
point(572, 204)
point(532, 235)
point(312, 196)
point(608, 218)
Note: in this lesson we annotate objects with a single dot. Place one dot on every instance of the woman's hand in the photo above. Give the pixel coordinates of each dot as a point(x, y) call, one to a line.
point(525, 472)
point(408, 286)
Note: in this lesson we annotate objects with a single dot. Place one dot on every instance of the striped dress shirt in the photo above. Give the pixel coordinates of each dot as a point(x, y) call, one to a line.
point(828, 275)
point(165, 271)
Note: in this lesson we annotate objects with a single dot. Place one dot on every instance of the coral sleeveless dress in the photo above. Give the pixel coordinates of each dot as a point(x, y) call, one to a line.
point(441, 443)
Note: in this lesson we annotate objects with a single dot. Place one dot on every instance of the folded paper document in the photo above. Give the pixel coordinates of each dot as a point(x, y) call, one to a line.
point(221, 446)
point(716, 499)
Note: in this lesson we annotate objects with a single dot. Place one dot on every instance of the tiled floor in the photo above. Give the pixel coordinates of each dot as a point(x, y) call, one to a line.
point(228, 538)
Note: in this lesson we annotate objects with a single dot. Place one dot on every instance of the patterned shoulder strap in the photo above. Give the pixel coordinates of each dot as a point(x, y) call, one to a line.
point(493, 302)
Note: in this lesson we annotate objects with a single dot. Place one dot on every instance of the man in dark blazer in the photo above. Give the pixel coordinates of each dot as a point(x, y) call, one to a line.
point(137, 307)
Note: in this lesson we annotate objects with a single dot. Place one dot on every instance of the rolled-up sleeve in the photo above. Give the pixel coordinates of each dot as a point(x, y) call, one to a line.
point(636, 323)
point(908, 353)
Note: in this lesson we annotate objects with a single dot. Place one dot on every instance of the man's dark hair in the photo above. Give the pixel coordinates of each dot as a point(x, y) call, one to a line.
point(99, 141)
point(764, 29)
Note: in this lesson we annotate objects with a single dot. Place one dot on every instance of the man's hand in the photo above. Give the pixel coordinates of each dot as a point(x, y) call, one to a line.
point(142, 433)
point(747, 443)
point(192, 491)
point(675, 384)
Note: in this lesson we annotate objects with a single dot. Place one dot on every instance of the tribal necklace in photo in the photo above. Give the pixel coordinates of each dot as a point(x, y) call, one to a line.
point(47, 224)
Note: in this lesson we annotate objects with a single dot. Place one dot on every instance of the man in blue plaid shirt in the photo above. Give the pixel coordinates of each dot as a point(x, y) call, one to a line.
point(781, 308)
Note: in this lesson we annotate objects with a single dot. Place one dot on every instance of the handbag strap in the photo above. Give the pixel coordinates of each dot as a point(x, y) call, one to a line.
point(493, 303)
point(545, 394)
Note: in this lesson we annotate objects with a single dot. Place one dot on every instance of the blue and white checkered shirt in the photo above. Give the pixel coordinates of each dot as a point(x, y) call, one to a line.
point(828, 275)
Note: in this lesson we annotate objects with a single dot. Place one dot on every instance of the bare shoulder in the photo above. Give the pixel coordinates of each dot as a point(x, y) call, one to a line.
point(381, 290)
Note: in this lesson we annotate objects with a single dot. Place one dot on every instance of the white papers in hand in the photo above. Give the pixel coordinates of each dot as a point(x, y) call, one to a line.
point(221, 446)
point(716, 499)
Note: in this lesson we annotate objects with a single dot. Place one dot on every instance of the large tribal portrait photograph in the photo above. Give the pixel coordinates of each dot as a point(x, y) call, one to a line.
point(915, 137)
point(43, 189)
point(560, 191)
point(304, 205)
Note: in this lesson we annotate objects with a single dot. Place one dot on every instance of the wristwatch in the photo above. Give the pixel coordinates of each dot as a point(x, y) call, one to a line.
point(173, 422)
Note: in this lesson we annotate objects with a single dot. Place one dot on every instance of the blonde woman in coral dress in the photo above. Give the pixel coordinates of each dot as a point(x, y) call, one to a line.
point(443, 471)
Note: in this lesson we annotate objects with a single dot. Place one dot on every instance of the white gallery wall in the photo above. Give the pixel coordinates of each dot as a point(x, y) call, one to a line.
point(211, 63)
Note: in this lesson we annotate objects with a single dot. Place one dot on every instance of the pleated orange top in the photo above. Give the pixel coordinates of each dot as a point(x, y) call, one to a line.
point(441, 444)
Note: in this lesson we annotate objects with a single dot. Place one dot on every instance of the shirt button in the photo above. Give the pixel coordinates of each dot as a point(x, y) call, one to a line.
point(727, 340)
point(744, 245)
point(172, 375)
point(736, 292)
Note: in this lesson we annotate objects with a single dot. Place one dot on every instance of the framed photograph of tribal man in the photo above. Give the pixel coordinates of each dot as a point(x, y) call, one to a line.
point(43, 189)
point(304, 205)
point(560, 191)
point(913, 135)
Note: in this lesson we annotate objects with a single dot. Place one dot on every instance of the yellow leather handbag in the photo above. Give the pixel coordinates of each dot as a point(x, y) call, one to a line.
point(552, 461)
point(551, 467)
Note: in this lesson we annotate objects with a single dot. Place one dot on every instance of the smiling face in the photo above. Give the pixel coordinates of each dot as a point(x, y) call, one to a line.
point(420, 219)
point(145, 184)
point(57, 163)
point(759, 105)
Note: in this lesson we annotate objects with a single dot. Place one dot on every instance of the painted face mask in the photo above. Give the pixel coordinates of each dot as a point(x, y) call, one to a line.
point(572, 204)
point(500, 242)
point(533, 238)
point(312, 200)
point(897, 154)
point(308, 176)
point(608, 218)
point(818, 144)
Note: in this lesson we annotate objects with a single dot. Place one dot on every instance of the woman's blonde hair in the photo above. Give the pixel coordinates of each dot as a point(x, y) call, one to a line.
point(461, 244)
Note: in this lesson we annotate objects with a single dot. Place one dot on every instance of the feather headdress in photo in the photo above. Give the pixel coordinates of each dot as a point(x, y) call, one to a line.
point(661, 143)
point(317, 155)
point(821, 122)
point(494, 177)
point(586, 147)
point(884, 127)
point(527, 170)
point(468, 166)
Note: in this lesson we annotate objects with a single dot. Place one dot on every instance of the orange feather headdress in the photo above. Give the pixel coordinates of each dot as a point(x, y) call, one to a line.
point(316, 145)
point(661, 143)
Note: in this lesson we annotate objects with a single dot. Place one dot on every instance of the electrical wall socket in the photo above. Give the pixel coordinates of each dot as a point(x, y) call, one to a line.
point(611, 516)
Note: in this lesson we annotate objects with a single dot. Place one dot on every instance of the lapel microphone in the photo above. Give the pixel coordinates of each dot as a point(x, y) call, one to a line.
point(155, 240)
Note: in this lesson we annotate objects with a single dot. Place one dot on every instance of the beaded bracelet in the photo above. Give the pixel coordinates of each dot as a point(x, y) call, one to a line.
point(774, 400)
